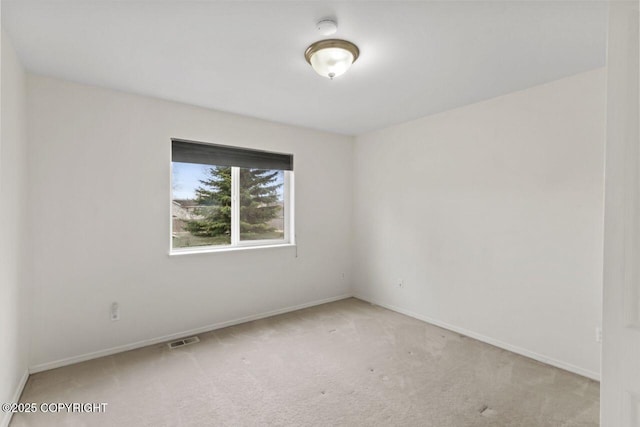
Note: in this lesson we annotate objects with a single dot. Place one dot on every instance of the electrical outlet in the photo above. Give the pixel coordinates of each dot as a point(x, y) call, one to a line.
point(598, 334)
point(400, 283)
point(115, 312)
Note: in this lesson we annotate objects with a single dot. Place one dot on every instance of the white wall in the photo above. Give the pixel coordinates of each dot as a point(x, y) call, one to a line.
point(100, 163)
point(493, 216)
point(14, 289)
point(620, 385)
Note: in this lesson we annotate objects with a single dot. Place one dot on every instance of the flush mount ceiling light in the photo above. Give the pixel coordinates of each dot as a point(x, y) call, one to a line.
point(331, 58)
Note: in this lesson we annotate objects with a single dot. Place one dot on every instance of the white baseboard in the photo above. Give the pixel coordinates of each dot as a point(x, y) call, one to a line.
point(497, 343)
point(119, 349)
point(6, 419)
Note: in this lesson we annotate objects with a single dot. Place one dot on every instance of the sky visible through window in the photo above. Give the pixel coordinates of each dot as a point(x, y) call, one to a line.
point(187, 176)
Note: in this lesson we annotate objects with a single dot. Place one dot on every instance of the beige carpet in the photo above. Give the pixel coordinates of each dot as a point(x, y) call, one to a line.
point(346, 363)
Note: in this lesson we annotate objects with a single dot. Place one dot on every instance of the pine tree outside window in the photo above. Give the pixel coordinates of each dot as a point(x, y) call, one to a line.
point(227, 197)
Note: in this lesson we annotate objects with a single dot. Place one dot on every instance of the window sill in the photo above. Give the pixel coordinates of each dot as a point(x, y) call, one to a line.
point(207, 250)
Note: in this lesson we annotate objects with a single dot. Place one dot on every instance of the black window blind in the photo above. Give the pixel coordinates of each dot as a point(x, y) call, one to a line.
point(184, 151)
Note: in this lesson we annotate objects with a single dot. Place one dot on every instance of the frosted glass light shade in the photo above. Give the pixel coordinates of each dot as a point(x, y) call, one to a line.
point(331, 58)
point(331, 62)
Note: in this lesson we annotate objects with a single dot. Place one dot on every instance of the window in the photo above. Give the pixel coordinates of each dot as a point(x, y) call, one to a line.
point(225, 197)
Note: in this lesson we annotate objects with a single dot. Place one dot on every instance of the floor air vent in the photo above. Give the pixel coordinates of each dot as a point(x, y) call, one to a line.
point(183, 342)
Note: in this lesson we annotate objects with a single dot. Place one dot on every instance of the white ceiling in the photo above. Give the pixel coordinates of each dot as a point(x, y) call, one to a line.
point(417, 58)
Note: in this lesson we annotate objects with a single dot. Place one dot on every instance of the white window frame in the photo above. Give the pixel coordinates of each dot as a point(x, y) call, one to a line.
point(236, 243)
